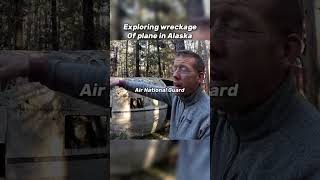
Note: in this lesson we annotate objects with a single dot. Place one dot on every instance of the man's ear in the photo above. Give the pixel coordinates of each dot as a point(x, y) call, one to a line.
point(201, 77)
point(292, 48)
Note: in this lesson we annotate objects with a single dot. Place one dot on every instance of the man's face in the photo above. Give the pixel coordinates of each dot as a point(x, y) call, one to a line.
point(245, 50)
point(186, 76)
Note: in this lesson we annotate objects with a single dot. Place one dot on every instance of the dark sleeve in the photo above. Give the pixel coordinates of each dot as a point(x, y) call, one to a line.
point(86, 82)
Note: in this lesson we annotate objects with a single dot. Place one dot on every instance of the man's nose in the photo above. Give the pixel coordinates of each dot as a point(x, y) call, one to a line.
point(176, 75)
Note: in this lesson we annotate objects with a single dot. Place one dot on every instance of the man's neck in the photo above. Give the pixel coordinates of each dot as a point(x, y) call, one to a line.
point(191, 97)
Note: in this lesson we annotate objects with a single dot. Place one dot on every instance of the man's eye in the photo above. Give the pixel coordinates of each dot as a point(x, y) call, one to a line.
point(184, 69)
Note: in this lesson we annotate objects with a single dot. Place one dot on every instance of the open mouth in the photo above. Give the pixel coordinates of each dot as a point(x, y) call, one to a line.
point(177, 85)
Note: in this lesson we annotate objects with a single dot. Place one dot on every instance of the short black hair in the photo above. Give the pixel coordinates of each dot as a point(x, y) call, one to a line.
point(287, 16)
point(199, 64)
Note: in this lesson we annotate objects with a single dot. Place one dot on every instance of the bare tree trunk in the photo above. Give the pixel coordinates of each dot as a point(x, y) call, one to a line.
point(147, 59)
point(120, 66)
point(159, 60)
point(137, 74)
point(206, 62)
point(39, 27)
point(18, 25)
point(117, 61)
point(28, 38)
point(116, 20)
point(11, 26)
point(54, 31)
point(201, 47)
point(127, 44)
point(36, 26)
point(179, 45)
point(2, 32)
point(88, 33)
point(46, 31)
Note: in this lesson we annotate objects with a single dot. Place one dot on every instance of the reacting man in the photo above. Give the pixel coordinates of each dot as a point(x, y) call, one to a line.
point(190, 109)
point(269, 131)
